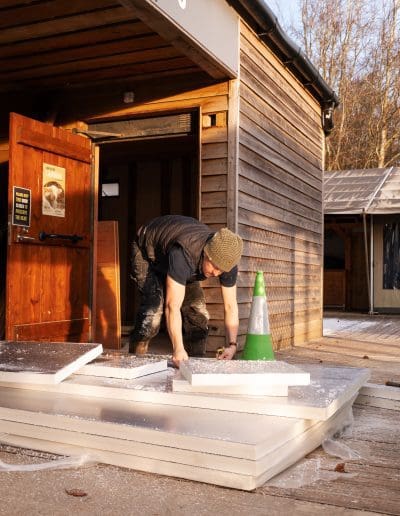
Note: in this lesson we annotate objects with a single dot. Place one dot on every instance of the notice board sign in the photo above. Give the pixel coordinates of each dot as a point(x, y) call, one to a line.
point(21, 207)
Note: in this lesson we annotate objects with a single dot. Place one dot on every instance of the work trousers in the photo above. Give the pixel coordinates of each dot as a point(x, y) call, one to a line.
point(151, 286)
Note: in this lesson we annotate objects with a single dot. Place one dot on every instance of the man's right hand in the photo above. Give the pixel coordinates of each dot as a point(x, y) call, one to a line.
point(178, 356)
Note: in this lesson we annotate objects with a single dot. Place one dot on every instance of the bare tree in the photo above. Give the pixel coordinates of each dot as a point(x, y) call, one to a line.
point(386, 76)
point(355, 46)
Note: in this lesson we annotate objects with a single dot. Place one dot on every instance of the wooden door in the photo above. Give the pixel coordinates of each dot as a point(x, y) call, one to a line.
point(48, 280)
point(358, 279)
point(335, 288)
point(108, 298)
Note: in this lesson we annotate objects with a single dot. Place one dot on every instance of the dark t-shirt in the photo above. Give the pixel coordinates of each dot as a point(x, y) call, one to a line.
point(180, 270)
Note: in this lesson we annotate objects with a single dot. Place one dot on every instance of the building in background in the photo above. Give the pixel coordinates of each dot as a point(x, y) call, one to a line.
point(362, 240)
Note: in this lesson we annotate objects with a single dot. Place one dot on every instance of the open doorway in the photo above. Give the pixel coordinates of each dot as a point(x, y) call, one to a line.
point(345, 276)
point(334, 270)
point(152, 172)
point(3, 244)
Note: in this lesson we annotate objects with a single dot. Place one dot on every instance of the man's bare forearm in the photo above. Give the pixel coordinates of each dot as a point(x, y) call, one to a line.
point(174, 326)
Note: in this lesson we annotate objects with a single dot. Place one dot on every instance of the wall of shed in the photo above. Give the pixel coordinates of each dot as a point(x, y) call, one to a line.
point(280, 194)
point(385, 300)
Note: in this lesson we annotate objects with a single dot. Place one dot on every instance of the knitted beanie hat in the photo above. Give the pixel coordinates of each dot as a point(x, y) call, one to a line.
point(224, 249)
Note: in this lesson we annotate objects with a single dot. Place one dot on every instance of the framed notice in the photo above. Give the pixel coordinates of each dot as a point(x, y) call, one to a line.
point(21, 207)
point(53, 191)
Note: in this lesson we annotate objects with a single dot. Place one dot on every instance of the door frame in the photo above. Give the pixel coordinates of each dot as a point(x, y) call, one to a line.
point(99, 143)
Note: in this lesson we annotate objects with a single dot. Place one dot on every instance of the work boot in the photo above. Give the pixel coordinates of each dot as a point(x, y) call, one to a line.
point(139, 348)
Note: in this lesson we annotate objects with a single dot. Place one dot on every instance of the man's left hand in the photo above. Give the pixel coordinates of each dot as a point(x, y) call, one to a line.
point(228, 353)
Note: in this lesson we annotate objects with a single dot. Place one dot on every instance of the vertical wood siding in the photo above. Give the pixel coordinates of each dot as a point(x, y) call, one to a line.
point(279, 194)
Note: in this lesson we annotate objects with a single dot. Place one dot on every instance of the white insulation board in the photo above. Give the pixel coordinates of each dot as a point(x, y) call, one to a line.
point(208, 371)
point(180, 384)
point(43, 362)
point(381, 391)
point(239, 435)
point(113, 365)
point(329, 389)
point(382, 396)
point(201, 465)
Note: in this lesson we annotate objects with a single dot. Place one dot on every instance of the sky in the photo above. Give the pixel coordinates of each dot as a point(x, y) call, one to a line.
point(286, 11)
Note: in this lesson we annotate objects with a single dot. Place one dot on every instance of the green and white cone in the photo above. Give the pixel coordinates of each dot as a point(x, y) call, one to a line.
point(258, 345)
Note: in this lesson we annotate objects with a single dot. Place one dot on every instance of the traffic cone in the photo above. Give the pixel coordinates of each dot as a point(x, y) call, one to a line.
point(258, 345)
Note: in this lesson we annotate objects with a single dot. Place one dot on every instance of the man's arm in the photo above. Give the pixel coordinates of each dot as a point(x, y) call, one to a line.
point(231, 314)
point(174, 296)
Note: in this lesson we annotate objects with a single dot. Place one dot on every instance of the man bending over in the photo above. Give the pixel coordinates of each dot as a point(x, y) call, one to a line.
point(170, 256)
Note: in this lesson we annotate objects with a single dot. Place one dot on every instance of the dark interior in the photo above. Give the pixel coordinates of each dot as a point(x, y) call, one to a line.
point(146, 178)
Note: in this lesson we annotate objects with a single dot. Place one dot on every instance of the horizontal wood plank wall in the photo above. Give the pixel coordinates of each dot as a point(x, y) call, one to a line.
point(211, 100)
point(280, 194)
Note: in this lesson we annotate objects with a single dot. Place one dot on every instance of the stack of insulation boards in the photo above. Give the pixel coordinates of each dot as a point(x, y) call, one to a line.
point(237, 441)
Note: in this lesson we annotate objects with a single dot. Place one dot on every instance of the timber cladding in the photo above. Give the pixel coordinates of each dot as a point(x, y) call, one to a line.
point(280, 193)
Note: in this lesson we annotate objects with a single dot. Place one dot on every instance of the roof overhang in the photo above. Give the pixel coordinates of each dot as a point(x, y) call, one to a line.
point(64, 45)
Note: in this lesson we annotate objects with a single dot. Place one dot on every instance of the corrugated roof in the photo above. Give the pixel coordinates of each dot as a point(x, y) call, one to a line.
point(371, 190)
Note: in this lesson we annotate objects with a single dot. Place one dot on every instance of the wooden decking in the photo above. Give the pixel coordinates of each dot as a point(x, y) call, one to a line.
point(375, 484)
point(365, 328)
point(358, 341)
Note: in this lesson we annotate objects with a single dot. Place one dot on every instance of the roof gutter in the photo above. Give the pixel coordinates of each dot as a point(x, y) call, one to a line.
point(258, 15)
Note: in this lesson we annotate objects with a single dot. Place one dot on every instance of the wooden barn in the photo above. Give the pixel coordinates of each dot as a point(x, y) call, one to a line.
point(116, 111)
point(362, 240)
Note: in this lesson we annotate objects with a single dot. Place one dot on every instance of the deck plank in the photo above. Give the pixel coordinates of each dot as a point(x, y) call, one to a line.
point(381, 371)
point(369, 482)
point(354, 340)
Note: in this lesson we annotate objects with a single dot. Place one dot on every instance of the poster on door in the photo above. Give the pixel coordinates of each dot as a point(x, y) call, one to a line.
point(53, 191)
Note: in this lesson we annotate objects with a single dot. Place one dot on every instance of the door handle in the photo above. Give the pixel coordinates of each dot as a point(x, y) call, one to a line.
point(73, 238)
point(23, 238)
